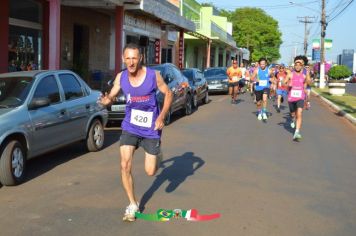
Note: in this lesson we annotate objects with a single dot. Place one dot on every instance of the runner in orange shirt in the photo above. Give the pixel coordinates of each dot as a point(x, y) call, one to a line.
point(234, 74)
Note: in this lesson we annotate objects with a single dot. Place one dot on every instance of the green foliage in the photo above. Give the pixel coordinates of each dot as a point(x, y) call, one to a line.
point(208, 4)
point(339, 72)
point(257, 31)
point(188, 12)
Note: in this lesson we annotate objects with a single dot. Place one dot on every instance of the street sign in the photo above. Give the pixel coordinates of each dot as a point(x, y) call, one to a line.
point(316, 43)
point(316, 55)
point(328, 44)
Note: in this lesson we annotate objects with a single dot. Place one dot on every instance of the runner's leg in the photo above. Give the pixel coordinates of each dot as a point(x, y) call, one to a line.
point(236, 92)
point(299, 118)
point(264, 105)
point(127, 152)
point(231, 92)
point(150, 164)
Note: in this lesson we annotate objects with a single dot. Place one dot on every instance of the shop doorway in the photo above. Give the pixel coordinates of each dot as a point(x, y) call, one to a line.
point(81, 51)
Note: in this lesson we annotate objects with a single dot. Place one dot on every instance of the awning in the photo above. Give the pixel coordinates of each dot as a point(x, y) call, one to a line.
point(164, 11)
point(197, 35)
point(105, 4)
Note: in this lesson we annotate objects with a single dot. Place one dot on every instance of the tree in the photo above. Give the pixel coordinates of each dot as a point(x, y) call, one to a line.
point(208, 4)
point(255, 30)
point(339, 72)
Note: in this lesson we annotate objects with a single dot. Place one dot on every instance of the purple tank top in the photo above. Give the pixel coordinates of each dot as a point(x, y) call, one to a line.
point(296, 91)
point(141, 106)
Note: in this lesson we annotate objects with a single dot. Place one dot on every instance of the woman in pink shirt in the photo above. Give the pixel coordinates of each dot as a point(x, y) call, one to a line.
point(297, 81)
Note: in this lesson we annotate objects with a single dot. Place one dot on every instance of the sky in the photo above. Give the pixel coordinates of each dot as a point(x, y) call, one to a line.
point(340, 28)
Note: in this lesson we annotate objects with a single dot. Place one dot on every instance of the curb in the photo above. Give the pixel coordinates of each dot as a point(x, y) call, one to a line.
point(336, 107)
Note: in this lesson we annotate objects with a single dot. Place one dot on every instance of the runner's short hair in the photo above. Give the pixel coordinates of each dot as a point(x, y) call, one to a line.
point(301, 58)
point(262, 59)
point(132, 46)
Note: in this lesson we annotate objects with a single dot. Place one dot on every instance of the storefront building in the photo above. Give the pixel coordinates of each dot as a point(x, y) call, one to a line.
point(24, 35)
point(212, 45)
point(88, 36)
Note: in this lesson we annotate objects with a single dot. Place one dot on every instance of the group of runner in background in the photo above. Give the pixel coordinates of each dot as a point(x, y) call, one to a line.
point(277, 83)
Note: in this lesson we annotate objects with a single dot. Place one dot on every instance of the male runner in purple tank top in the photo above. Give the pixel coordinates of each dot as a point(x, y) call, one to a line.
point(143, 122)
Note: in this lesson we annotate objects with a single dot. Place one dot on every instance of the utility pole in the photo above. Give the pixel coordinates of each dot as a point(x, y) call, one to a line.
point(306, 21)
point(322, 47)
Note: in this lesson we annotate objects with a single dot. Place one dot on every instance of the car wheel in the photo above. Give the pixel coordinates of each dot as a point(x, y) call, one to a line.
point(168, 118)
point(188, 106)
point(12, 163)
point(195, 101)
point(95, 136)
point(206, 98)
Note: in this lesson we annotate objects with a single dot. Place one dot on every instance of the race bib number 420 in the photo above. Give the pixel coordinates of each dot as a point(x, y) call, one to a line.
point(141, 118)
point(296, 93)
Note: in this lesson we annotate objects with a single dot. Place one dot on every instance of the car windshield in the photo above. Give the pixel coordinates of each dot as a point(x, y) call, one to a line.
point(14, 90)
point(214, 72)
point(161, 70)
point(188, 74)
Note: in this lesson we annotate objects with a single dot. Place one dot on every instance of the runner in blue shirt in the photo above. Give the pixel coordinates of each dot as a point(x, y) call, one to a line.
point(263, 77)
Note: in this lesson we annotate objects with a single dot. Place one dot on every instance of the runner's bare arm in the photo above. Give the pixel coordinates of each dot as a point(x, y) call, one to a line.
point(288, 77)
point(254, 74)
point(228, 73)
point(107, 99)
point(272, 77)
point(168, 97)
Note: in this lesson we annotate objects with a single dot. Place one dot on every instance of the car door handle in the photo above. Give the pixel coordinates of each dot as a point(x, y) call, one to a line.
point(87, 106)
point(63, 111)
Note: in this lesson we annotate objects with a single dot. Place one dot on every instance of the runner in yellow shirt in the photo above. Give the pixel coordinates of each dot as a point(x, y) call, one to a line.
point(234, 73)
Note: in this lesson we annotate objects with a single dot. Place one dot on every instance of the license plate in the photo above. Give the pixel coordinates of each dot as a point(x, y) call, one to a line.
point(118, 107)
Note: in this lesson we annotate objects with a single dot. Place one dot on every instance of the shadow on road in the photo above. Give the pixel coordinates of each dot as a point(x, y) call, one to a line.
point(286, 123)
point(176, 173)
point(44, 163)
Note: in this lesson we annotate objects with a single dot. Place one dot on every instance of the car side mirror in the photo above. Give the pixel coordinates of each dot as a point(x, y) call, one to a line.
point(38, 103)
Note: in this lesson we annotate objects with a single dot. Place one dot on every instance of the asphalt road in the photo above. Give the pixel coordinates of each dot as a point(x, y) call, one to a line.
point(221, 159)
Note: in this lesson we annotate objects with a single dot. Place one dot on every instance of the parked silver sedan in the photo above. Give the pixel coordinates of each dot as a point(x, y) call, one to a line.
point(41, 111)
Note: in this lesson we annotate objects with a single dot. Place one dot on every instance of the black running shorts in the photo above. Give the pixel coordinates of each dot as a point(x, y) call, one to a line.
point(233, 84)
point(293, 106)
point(151, 146)
point(259, 94)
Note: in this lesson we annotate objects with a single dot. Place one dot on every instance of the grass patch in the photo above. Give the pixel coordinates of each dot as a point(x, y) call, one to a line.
point(346, 102)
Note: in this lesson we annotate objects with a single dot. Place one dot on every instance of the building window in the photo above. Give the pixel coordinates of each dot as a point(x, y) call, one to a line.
point(151, 53)
point(166, 55)
point(27, 10)
point(25, 35)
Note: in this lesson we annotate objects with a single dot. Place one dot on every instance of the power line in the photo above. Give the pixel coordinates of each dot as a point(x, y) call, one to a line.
point(267, 7)
point(341, 11)
point(306, 20)
point(337, 7)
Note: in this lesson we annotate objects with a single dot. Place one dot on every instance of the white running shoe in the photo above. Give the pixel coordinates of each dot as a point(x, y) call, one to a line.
point(264, 116)
point(297, 136)
point(259, 117)
point(130, 212)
